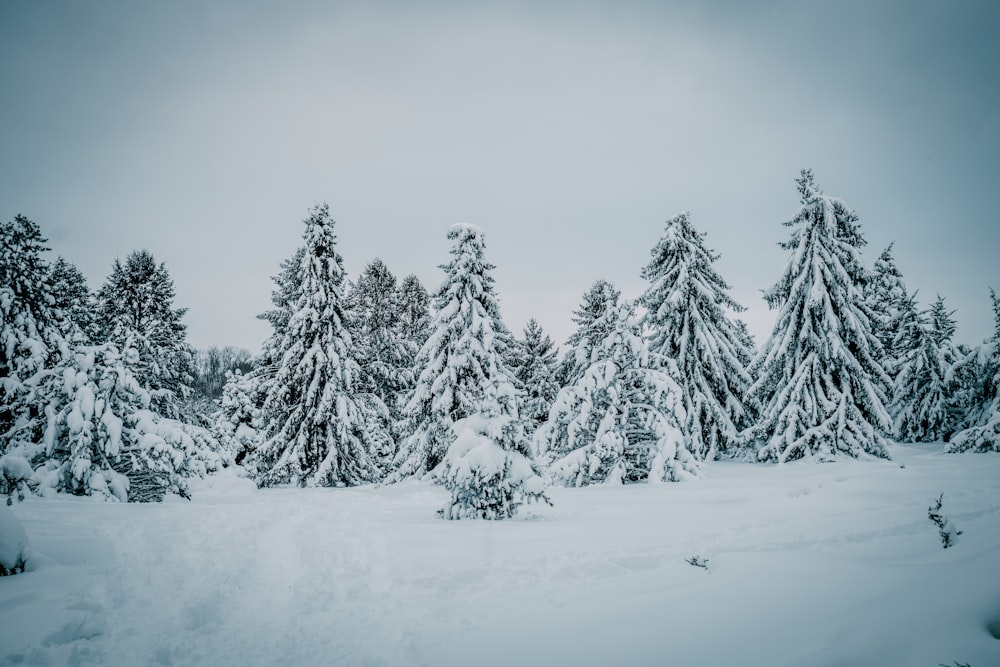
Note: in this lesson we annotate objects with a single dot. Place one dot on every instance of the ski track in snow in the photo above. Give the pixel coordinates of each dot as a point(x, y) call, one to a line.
point(809, 565)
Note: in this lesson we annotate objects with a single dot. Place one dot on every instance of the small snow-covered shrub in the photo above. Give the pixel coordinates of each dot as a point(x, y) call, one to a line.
point(487, 480)
point(15, 476)
point(946, 529)
point(14, 548)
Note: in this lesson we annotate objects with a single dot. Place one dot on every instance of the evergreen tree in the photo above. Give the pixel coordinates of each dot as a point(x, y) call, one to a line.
point(461, 366)
point(687, 322)
point(30, 340)
point(885, 295)
point(535, 372)
point(135, 304)
point(923, 398)
point(314, 431)
point(601, 296)
point(237, 422)
point(818, 378)
point(621, 421)
point(72, 299)
point(983, 432)
point(377, 330)
point(285, 297)
point(414, 314)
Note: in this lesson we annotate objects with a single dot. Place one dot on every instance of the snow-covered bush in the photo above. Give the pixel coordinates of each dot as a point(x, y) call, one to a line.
point(621, 420)
point(15, 477)
point(102, 439)
point(486, 475)
point(14, 547)
point(236, 423)
point(946, 529)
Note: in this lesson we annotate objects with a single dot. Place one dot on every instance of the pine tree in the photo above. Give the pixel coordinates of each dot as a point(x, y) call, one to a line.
point(102, 439)
point(885, 295)
point(535, 372)
point(314, 431)
point(687, 322)
point(983, 433)
point(922, 399)
point(72, 299)
point(462, 416)
point(414, 314)
point(30, 340)
point(601, 296)
point(135, 304)
point(377, 330)
point(819, 382)
point(236, 424)
point(621, 421)
point(461, 359)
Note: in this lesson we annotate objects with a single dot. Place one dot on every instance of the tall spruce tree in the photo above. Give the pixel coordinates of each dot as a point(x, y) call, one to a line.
point(687, 321)
point(30, 338)
point(590, 330)
point(923, 397)
point(73, 300)
point(414, 314)
point(818, 378)
point(135, 309)
point(982, 433)
point(461, 365)
point(885, 294)
point(621, 421)
point(535, 370)
point(314, 431)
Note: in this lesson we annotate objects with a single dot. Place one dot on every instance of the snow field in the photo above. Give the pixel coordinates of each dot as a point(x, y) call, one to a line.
point(809, 565)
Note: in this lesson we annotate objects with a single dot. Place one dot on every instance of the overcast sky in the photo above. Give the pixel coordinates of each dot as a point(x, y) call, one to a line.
point(569, 132)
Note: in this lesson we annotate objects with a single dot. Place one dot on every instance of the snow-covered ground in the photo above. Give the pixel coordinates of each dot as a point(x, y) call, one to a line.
point(808, 564)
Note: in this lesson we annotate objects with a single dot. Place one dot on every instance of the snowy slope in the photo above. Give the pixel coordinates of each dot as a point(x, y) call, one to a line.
point(809, 565)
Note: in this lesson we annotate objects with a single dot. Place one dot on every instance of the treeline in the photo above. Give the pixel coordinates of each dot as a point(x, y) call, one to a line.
point(378, 380)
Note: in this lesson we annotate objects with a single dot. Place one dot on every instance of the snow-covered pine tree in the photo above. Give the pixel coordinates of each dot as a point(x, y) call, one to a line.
point(237, 422)
point(30, 340)
point(102, 439)
point(983, 434)
point(622, 420)
point(462, 415)
point(818, 378)
point(885, 294)
point(535, 371)
point(377, 329)
point(135, 304)
point(687, 321)
point(589, 334)
point(72, 299)
point(314, 431)
point(923, 397)
point(414, 313)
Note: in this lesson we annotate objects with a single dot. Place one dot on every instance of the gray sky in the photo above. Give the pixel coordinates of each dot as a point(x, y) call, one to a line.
point(568, 131)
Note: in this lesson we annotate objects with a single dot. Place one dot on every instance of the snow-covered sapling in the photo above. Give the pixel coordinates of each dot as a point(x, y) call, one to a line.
point(14, 549)
point(15, 476)
point(946, 529)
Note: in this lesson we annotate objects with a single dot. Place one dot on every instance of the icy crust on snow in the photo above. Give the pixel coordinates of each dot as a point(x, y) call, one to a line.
point(14, 549)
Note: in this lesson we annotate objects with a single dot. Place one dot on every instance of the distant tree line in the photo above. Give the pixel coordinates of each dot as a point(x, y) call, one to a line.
point(377, 380)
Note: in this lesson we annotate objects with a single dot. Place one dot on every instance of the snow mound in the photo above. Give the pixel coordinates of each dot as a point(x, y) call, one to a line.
point(14, 548)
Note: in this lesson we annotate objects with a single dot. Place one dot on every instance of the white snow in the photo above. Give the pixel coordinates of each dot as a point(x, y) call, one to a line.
point(808, 565)
point(14, 549)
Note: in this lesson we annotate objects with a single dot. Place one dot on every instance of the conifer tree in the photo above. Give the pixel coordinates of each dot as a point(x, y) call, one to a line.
point(314, 431)
point(377, 329)
point(135, 304)
point(885, 295)
point(818, 378)
point(463, 355)
point(414, 314)
point(237, 422)
point(601, 296)
point(285, 297)
point(72, 299)
point(535, 372)
point(687, 322)
point(30, 340)
point(983, 433)
point(923, 397)
point(621, 421)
